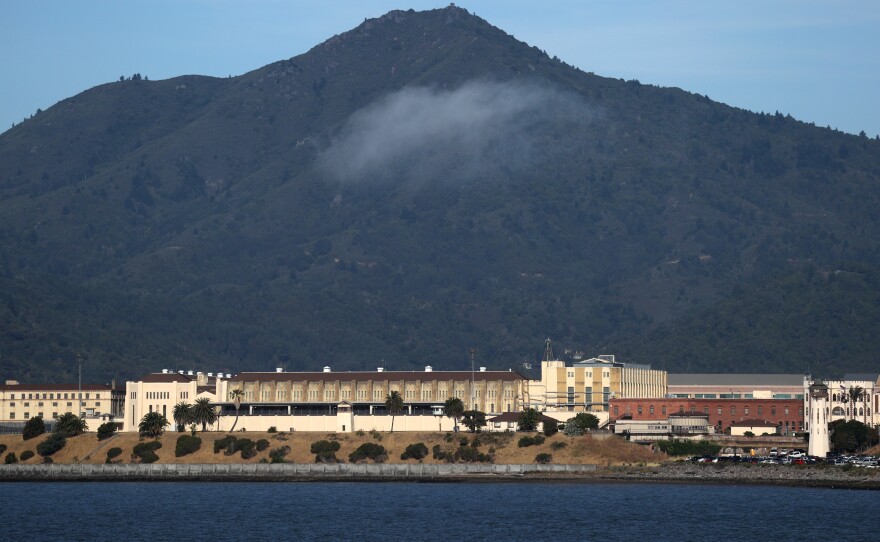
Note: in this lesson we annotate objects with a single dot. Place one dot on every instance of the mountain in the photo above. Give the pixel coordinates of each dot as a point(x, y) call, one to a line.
point(418, 185)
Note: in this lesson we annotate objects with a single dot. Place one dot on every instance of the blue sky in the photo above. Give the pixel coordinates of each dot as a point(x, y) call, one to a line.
point(816, 60)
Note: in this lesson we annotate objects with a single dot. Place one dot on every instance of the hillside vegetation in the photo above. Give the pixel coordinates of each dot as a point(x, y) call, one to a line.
point(418, 185)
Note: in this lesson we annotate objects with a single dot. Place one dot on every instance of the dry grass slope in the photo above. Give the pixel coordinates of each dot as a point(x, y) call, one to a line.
point(578, 450)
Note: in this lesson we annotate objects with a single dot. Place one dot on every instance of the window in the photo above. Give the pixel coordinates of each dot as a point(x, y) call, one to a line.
point(27, 415)
point(681, 409)
point(11, 404)
point(651, 409)
point(746, 411)
point(54, 415)
point(773, 410)
point(693, 409)
point(27, 403)
point(733, 411)
point(12, 415)
point(705, 410)
point(719, 411)
point(786, 411)
point(55, 404)
point(640, 409)
point(69, 404)
point(760, 411)
point(663, 410)
point(615, 410)
point(40, 404)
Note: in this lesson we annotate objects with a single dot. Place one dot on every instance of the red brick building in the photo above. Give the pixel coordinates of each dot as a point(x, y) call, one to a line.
point(786, 414)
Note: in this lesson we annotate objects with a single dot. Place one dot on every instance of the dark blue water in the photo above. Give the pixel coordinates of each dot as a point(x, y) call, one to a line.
point(407, 511)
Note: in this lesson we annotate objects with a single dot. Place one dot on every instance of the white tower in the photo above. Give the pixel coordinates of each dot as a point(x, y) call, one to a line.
point(819, 417)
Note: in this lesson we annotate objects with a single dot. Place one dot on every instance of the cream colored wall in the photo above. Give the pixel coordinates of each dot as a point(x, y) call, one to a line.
point(161, 396)
point(756, 430)
point(332, 424)
point(93, 402)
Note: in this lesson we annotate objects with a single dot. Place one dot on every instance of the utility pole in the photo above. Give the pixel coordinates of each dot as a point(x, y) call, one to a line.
point(472, 353)
point(80, 393)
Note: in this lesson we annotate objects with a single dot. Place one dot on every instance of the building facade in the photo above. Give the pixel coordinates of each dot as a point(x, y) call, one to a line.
point(327, 400)
point(855, 397)
point(786, 414)
point(589, 385)
point(736, 386)
point(21, 402)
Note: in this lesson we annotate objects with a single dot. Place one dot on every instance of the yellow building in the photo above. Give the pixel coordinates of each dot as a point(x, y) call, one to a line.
point(21, 402)
point(159, 392)
point(587, 386)
point(326, 400)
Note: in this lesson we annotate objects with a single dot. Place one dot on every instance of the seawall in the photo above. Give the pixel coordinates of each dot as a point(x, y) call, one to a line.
point(288, 472)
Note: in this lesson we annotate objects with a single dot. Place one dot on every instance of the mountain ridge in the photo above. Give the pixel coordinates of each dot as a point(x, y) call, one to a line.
point(192, 215)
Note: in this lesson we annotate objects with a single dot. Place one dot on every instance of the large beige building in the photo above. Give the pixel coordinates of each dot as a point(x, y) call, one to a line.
point(327, 400)
point(21, 402)
point(588, 385)
point(159, 392)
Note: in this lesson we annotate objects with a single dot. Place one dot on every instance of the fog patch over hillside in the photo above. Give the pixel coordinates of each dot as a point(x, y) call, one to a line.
point(479, 129)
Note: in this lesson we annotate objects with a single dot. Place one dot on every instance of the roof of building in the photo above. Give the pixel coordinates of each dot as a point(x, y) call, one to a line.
point(861, 377)
point(156, 378)
point(753, 423)
point(56, 387)
point(720, 379)
point(375, 375)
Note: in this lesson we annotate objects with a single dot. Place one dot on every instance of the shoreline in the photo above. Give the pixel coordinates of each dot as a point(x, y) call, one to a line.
point(677, 473)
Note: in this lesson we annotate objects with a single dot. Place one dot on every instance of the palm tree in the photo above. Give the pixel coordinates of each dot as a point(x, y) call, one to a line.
point(70, 425)
point(182, 415)
point(152, 425)
point(855, 393)
point(203, 412)
point(394, 404)
point(453, 408)
point(236, 396)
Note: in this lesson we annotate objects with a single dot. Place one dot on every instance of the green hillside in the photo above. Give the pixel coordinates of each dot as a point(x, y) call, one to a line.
point(422, 184)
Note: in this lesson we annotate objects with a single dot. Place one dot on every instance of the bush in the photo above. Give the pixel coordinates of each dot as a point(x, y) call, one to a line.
point(543, 459)
point(469, 454)
point(27, 454)
point(272, 429)
point(106, 430)
point(463, 441)
point(10, 458)
point(415, 451)
point(524, 442)
point(325, 451)
point(223, 444)
point(262, 444)
point(52, 444)
point(247, 447)
point(113, 453)
point(580, 424)
point(376, 435)
point(558, 446)
point(146, 451)
point(47, 460)
point(368, 450)
point(550, 428)
point(277, 455)
point(687, 447)
point(2, 448)
point(360, 432)
point(33, 428)
point(187, 444)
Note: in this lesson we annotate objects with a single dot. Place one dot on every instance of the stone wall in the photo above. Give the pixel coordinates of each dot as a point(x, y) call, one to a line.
point(283, 471)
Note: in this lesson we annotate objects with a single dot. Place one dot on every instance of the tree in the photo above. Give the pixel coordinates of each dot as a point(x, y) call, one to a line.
point(550, 428)
point(236, 396)
point(203, 412)
point(70, 425)
point(33, 428)
point(182, 414)
point(852, 436)
point(152, 425)
point(855, 393)
point(580, 424)
point(528, 420)
point(473, 420)
point(394, 404)
point(106, 430)
point(453, 408)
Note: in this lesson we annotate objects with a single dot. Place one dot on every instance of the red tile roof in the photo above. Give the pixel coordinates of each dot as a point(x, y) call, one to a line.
point(409, 376)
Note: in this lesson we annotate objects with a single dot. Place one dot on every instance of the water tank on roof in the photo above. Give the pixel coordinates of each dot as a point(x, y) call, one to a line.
point(190, 373)
point(210, 375)
point(164, 371)
point(428, 369)
point(279, 369)
point(326, 368)
point(380, 369)
point(482, 369)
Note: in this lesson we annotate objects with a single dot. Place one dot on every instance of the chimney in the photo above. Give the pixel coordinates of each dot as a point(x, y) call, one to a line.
point(428, 369)
point(210, 375)
point(380, 369)
point(482, 369)
point(279, 369)
point(189, 373)
point(326, 368)
point(228, 375)
point(164, 371)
